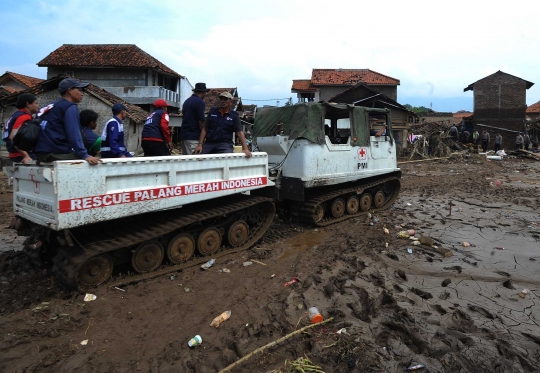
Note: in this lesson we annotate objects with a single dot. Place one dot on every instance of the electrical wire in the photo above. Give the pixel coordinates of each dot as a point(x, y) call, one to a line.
point(270, 99)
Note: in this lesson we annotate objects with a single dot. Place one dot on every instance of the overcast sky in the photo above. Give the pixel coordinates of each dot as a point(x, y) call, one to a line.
point(435, 48)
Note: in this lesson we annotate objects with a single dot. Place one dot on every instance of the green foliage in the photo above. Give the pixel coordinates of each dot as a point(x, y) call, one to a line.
point(418, 110)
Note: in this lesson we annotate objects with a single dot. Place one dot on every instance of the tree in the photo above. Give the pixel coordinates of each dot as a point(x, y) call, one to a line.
point(418, 110)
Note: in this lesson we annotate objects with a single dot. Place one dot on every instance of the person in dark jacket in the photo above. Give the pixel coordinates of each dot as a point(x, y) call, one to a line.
point(60, 136)
point(218, 129)
point(28, 106)
point(193, 119)
point(92, 142)
point(156, 134)
point(485, 140)
point(112, 138)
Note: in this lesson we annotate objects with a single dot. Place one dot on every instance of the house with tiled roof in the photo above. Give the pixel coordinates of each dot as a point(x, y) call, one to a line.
point(533, 111)
point(11, 82)
point(95, 98)
point(500, 104)
point(326, 83)
point(124, 70)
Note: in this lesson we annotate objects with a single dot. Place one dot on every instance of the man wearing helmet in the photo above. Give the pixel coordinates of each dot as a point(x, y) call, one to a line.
point(156, 134)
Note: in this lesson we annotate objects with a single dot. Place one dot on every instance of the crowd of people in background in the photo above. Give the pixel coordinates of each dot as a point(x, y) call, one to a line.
point(66, 134)
point(477, 139)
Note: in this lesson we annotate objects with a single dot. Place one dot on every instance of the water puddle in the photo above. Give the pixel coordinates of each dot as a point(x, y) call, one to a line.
point(301, 243)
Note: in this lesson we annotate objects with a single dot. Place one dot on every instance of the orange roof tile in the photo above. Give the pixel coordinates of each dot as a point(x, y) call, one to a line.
point(534, 108)
point(28, 81)
point(212, 97)
point(11, 89)
point(303, 85)
point(103, 55)
point(462, 115)
point(350, 77)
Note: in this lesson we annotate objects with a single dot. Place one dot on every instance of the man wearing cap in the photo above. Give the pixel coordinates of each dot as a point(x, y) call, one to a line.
point(193, 119)
point(28, 105)
point(156, 134)
point(112, 138)
point(219, 127)
point(60, 136)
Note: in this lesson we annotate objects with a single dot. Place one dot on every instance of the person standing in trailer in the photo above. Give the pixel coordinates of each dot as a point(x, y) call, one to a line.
point(28, 105)
point(193, 119)
point(112, 138)
point(156, 134)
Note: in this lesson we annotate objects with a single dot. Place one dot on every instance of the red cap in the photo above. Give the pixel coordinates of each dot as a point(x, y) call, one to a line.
point(317, 318)
point(160, 103)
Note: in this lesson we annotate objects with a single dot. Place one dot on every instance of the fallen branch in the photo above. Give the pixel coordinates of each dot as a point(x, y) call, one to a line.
point(423, 160)
point(271, 344)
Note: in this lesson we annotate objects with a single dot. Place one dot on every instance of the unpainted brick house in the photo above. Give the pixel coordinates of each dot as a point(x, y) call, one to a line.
point(500, 101)
point(326, 83)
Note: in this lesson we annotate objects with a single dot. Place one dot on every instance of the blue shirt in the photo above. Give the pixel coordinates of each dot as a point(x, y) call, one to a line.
point(112, 140)
point(192, 113)
point(60, 131)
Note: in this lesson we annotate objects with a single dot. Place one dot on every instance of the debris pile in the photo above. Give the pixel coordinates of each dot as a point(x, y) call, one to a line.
point(432, 139)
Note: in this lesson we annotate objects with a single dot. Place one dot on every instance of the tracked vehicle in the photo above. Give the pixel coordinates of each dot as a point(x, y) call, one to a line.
point(322, 166)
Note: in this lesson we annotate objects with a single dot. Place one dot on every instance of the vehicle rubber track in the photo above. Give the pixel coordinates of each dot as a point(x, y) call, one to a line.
point(125, 233)
point(307, 210)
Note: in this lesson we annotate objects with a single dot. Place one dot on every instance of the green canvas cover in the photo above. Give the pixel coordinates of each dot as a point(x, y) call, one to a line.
point(301, 120)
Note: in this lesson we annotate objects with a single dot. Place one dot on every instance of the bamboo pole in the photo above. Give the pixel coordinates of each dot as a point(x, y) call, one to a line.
point(271, 344)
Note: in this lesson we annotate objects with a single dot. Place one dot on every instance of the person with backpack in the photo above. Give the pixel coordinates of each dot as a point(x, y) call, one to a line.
point(112, 138)
point(60, 136)
point(156, 134)
point(27, 104)
point(92, 142)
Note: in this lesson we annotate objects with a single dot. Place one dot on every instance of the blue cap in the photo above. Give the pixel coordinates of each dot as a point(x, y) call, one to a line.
point(71, 83)
point(118, 107)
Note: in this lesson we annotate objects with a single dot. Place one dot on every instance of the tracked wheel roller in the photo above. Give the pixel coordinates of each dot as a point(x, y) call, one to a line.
point(379, 200)
point(147, 256)
point(365, 202)
point(181, 248)
point(353, 205)
point(96, 270)
point(338, 208)
point(238, 233)
point(209, 241)
point(318, 214)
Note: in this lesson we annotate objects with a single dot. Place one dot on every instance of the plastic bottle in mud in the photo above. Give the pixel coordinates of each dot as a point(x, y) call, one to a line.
point(197, 340)
point(315, 315)
point(208, 264)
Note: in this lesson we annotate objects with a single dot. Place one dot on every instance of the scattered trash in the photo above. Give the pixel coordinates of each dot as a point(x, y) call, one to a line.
point(413, 238)
point(425, 240)
point(291, 282)
point(256, 261)
point(375, 220)
point(415, 243)
point(172, 277)
point(499, 248)
point(89, 297)
point(272, 276)
point(208, 264)
point(501, 153)
point(416, 367)
point(218, 320)
point(342, 330)
point(406, 234)
point(386, 231)
point(494, 157)
point(226, 270)
point(117, 288)
point(409, 204)
point(300, 306)
point(386, 244)
point(467, 244)
point(247, 264)
point(409, 250)
point(186, 289)
point(85, 342)
point(523, 293)
point(197, 340)
point(314, 315)
point(369, 215)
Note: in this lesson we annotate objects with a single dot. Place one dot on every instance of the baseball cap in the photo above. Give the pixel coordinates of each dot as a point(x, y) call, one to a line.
point(226, 95)
point(118, 107)
point(71, 83)
point(160, 103)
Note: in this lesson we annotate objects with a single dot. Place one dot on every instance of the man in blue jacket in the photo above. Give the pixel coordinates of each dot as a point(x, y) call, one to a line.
point(193, 119)
point(112, 138)
point(60, 136)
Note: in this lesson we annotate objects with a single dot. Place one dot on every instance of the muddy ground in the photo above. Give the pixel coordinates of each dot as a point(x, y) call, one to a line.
point(461, 313)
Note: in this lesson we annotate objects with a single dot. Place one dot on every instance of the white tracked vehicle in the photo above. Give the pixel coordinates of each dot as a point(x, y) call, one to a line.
point(322, 166)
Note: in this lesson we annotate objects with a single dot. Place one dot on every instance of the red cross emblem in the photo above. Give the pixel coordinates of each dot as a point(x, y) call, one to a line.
point(362, 154)
point(36, 183)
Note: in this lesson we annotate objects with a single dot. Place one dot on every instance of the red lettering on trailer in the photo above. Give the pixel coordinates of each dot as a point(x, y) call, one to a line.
point(91, 202)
